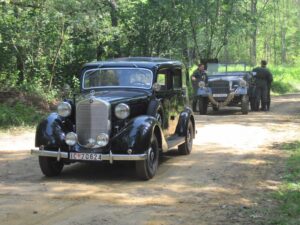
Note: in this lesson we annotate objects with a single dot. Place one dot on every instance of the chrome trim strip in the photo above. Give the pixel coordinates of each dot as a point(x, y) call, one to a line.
point(105, 157)
point(55, 154)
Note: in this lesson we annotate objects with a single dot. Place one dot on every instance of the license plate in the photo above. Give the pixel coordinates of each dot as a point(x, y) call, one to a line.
point(86, 156)
point(219, 95)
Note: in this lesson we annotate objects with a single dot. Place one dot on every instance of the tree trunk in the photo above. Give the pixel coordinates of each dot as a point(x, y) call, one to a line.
point(116, 47)
point(194, 36)
point(53, 66)
point(254, 31)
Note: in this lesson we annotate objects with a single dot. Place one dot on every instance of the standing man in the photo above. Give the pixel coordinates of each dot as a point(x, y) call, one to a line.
point(198, 75)
point(263, 83)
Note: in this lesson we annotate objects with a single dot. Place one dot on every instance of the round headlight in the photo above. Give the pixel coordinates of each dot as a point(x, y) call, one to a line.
point(102, 139)
point(71, 138)
point(64, 109)
point(122, 111)
point(201, 84)
point(243, 83)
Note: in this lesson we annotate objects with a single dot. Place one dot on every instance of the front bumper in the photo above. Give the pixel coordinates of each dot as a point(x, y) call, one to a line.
point(104, 157)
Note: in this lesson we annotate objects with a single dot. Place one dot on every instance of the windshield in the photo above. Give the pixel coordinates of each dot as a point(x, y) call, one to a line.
point(219, 68)
point(117, 77)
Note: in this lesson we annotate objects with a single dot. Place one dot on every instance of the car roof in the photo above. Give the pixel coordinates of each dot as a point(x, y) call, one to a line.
point(138, 62)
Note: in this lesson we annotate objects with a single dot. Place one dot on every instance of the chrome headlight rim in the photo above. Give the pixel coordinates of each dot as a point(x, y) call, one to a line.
point(71, 139)
point(122, 111)
point(102, 139)
point(243, 83)
point(201, 84)
point(64, 109)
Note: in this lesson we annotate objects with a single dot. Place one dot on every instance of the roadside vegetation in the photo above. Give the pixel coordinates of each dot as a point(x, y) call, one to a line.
point(43, 45)
point(286, 79)
point(288, 195)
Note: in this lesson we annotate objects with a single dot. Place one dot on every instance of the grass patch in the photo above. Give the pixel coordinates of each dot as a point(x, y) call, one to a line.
point(286, 79)
point(288, 194)
point(17, 115)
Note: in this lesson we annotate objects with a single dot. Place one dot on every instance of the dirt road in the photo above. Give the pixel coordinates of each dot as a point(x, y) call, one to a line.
point(235, 164)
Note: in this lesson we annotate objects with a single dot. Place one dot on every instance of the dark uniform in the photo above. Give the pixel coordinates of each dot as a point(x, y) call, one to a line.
point(200, 76)
point(263, 80)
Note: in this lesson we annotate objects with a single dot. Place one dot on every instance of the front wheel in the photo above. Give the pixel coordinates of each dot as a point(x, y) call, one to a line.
point(186, 147)
point(245, 104)
point(203, 103)
point(147, 168)
point(50, 166)
point(215, 108)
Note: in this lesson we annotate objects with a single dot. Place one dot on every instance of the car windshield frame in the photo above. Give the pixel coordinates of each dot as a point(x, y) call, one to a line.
point(229, 71)
point(116, 86)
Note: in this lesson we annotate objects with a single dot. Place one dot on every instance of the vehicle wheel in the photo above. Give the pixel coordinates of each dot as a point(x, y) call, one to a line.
point(203, 103)
point(216, 108)
point(245, 104)
point(50, 166)
point(147, 168)
point(155, 109)
point(186, 147)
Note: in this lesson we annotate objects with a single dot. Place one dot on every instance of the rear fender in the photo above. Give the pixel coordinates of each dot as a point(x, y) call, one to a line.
point(137, 136)
point(184, 118)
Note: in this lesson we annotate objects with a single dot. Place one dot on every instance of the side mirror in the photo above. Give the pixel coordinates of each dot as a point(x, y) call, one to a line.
point(156, 87)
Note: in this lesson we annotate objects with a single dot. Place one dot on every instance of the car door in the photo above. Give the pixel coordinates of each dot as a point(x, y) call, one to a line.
point(166, 95)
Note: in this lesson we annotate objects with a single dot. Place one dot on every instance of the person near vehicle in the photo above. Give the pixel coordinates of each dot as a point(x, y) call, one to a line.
point(198, 75)
point(263, 81)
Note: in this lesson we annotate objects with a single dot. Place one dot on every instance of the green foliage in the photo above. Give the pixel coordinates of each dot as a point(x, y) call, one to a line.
point(286, 79)
point(289, 192)
point(43, 44)
point(18, 115)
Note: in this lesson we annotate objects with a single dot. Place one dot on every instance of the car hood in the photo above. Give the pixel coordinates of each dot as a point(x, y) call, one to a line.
point(117, 96)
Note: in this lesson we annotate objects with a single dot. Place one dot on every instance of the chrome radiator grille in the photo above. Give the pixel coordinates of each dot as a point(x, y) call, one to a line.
point(92, 118)
point(219, 86)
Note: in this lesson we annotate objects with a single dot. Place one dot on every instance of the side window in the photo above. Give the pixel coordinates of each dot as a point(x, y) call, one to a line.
point(164, 79)
point(177, 78)
point(161, 79)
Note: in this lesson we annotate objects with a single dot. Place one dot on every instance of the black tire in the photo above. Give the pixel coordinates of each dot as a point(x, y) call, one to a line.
point(147, 168)
point(215, 108)
point(245, 104)
point(186, 147)
point(50, 166)
point(203, 103)
point(155, 109)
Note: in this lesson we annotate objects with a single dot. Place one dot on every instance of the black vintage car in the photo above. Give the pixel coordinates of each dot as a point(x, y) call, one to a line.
point(128, 109)
point(228, 85)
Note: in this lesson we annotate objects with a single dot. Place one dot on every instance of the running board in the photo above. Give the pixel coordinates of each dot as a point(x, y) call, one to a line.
point(174, 141)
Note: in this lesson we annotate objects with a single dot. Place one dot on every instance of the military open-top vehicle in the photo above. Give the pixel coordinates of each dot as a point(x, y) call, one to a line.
point(228, 85)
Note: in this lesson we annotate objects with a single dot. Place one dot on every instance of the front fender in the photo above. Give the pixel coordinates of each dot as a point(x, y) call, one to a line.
point(183, 122)
point(203, 92)
point(241, 91)
point(51, 132)
point(137, 135)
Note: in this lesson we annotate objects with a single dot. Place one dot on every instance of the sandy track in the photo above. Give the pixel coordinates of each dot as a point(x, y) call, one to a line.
point(235, 164)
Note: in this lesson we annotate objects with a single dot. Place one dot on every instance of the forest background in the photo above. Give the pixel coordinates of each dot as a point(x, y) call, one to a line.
point(44, 43)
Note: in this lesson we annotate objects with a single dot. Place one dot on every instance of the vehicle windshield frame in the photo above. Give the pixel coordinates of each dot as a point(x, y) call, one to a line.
point(116, 68)
point(226, 71)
